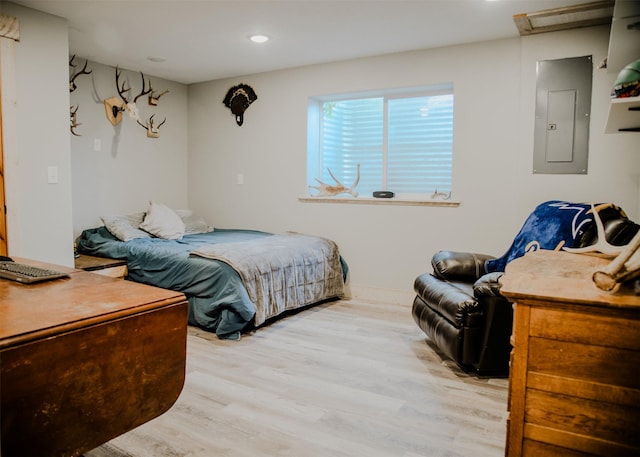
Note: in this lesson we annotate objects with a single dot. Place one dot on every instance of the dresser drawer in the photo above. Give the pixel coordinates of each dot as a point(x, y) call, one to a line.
point(587, 425)
point(573, 324)
point(604, 365)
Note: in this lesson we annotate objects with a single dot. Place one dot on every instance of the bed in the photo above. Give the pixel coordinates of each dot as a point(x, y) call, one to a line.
point(235, 280)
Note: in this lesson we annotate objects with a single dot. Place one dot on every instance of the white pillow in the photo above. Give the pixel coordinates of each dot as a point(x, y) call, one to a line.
point(125, 227)
point(163, 222)
point(193, 223)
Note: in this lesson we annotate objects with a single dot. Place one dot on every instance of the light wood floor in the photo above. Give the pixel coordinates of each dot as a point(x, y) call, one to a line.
point(343, 379)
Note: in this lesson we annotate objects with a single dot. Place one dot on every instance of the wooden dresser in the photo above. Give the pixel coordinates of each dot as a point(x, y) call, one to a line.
point(574, 384)
point(85, 359)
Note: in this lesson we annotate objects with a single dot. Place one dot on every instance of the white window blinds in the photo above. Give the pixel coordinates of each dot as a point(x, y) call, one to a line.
point(403, 143)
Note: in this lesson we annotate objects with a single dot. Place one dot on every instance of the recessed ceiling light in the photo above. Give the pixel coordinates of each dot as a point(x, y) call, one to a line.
point(156, 59)
point(259, 38)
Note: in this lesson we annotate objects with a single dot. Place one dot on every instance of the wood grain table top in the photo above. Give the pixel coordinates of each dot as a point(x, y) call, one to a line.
point(82, 299)
point(562, 276)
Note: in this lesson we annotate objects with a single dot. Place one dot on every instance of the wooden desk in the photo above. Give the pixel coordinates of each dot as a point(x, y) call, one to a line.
point(574, 383)
point(85, 359)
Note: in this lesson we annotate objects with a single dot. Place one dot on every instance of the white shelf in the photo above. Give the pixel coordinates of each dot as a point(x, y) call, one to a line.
point(378, 201)
point(624, 42)
point(624, 48)
point(624, 115)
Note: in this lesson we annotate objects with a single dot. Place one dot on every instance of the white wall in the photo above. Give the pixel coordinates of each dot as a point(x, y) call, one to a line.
point(388, 246)
point(614, 159)
point(39, 215)
point(130, 169)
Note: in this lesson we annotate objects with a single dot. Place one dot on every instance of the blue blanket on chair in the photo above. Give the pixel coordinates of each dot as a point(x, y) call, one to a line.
point(553, 225)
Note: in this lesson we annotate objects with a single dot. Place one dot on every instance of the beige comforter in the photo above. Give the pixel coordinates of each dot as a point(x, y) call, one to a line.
point(282, 272)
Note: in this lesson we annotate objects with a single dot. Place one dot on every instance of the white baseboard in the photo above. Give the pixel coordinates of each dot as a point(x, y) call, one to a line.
point(379, 295)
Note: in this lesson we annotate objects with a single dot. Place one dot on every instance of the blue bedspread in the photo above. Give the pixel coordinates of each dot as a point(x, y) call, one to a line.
point(218, 300)
point(552, 225)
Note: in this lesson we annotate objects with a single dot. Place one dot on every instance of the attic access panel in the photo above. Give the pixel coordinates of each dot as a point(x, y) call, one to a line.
point(563, 108)
point(565, 18)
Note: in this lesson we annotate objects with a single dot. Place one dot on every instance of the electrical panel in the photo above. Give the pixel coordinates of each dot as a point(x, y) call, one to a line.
point(563, 108)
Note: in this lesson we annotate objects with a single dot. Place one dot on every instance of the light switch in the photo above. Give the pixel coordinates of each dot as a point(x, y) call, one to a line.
point(240, 179)
point(52, 175)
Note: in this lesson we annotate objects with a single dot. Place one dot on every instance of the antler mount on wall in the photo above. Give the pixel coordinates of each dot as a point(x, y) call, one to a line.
point(116, 106)
point(74, 119)
point(72, 87)
point(72, 80)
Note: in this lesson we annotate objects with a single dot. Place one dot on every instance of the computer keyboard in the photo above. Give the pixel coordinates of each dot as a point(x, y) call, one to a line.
point(28, 274)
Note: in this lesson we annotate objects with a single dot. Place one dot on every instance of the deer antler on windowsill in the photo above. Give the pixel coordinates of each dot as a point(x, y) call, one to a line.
point(325, 189)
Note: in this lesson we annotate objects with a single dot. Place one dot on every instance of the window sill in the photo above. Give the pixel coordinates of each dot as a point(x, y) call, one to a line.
point(379, 201)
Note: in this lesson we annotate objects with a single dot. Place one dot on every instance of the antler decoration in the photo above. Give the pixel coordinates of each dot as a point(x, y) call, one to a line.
point(624, 267)
point(602, 245)
point(115, 106)
point(131, 107)
point(152, 130)
point(328, 190)
point(442, 195)
point(72, 83)
point(74, 119)
point(155, 98)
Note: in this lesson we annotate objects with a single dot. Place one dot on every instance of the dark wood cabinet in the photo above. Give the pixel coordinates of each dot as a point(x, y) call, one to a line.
point(85, 359)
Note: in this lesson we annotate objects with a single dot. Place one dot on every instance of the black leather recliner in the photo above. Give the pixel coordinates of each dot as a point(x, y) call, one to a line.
point(460, 308)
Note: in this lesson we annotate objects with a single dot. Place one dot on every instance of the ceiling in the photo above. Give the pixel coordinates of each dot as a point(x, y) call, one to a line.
point(208, 39)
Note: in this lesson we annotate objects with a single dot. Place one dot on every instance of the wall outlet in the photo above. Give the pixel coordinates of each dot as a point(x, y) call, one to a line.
point(52, 175)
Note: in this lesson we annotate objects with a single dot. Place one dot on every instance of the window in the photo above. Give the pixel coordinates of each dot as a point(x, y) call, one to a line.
point(402, 140)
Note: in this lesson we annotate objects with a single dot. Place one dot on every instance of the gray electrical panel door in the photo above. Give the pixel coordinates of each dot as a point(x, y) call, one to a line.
point(563, 108)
